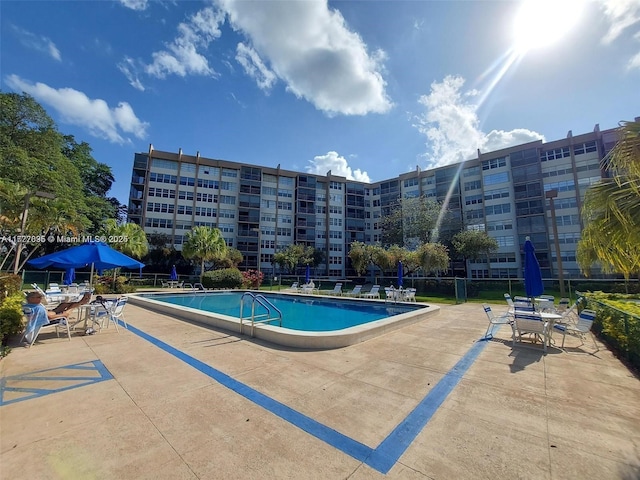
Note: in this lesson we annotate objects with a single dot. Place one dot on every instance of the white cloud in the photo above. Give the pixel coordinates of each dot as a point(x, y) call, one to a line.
point(38, 42)
point(128, 67)
point(623, 15)
point(338, 165)
point(135, 4)
point(310, 48)
point(255, 67)
point(183, 56)
point(452, 127)
point(75, 108)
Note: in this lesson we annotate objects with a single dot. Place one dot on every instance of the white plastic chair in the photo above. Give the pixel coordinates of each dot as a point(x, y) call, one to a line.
point(116, 312)
point(502, 319)
point(526, 323)
point(581, 328)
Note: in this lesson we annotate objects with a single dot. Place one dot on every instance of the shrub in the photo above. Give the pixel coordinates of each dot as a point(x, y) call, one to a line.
point(9, 284)
point(10, 319)
point(618, 323)
point(252, 279)
point(223, 278)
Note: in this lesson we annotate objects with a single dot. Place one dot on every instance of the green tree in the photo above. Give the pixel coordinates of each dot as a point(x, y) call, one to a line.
point(128, 238)
point(204, 244)
point(410, 221)
point(433, 257)
point(360, 257)
point(473, 244)
point(611, 210)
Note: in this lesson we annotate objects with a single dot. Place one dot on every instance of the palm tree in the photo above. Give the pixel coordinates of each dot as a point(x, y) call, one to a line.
point(611, 209)
point(204, 244)
point(128, 238)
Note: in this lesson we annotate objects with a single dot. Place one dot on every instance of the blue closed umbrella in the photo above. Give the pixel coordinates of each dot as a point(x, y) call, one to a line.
point(174, 274)
point(532, 275)
point(69, 276)
point(307, 275)
point(400, 274)
point(98, 255)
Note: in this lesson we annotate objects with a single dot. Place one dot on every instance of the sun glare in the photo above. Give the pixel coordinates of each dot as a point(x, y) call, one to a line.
point(541, 23)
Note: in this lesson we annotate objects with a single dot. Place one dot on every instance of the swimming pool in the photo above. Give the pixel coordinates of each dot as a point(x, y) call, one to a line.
point(308, 321)
point(308, 313)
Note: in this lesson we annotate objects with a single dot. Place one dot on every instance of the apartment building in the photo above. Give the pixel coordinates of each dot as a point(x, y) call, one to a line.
point(511, 194)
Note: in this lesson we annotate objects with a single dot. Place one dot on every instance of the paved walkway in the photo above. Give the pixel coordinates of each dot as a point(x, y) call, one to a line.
point(168, 399)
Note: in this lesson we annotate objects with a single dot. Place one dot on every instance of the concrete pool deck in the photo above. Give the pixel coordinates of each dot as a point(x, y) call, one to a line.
point(169, 399)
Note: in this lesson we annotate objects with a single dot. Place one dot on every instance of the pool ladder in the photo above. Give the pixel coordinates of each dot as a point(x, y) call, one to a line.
point(260, 318)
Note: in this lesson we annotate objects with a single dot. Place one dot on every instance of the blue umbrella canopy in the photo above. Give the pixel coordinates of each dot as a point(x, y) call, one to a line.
point(532, 275)
point(174, 274)
point(98, 255)
point(400, 274)
point(307, 275)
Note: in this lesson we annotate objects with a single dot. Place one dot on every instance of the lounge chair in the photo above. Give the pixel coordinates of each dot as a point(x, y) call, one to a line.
point(37, 321)
point(337, 289)
point(356, 292)
point(373, 293)
point(309, 288)
point(502, 319)
point(294, 286)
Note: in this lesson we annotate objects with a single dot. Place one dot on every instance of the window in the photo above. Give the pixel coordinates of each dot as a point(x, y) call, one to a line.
point(505, 241)
point(473, 185)
point(410, 182)
point(496, 193)
point(228, 172)
point(227, 199)
point(285, 206)
point(563, 220)
point(335, 186)
point(555, 154)
point(269, 191)
point(498, 226)
point(335, 209)
point(473, 200)
point(496, 178)
point(565, 186)
point(471, 172)
point(165, 164)
point(497, 209)
point(586, 147)
point(494, 163)
point(228, 186)
point(474, 214)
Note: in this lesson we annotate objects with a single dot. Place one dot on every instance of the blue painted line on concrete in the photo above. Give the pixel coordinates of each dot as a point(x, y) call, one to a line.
point(334, 438)
point(393, 447)
point(382, 458)
point(7, 387)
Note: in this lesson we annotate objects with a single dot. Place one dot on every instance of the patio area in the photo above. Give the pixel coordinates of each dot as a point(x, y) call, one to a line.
point(169, 399)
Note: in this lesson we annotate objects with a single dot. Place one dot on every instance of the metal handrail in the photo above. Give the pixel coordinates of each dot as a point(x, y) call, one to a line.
point(266, 304)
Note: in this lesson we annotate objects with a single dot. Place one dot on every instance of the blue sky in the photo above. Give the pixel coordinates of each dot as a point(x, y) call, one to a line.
point(366, 89)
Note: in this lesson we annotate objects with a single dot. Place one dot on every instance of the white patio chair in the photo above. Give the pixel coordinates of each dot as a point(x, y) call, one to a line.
point(309, 288)
point(526, 323)
point(502, 319)
point(410, 295)
point(116, 312)
point(373, 293)
point(294, 286)
point(581, 328)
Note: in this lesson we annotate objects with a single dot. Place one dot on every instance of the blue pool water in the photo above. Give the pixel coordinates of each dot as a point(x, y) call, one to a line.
point(311, 314)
